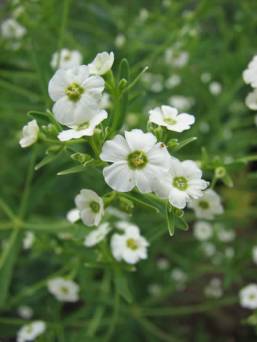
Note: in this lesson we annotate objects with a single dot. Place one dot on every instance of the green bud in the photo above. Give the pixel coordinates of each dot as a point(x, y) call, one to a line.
point(220, 172)
point(122, 84)
point(81, 157)
point(126, 205)
point(172, 143)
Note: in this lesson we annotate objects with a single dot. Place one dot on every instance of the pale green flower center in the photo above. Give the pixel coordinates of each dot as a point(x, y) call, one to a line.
point(180, 183)
point(132, 244)
point(74, 91)
point(29, 328)
point(64, 289)
point(85, 125)
point(204, 204)
point(137, 160)
point(67, 57)
point(169, 121)
point(95, 207)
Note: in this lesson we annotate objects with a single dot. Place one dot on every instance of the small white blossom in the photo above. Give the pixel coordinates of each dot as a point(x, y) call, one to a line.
point(18, 11)
point(120, 40)
point(251, 99)
point(225, 235)
point(143, 14)
point(182, 183)
point(11, 29)
point(66, 59)
point(25, 312)
point(63, 290)
point(101, 64)
point(250, 74)
point(204, 127)
point(229, 252)
point(91, 207)
point(181, 102)
point(176, 58)
point(28, 240)
point(172, 81)
point(208, 206)
point(31, 331)
point(137, 160)
point(179, 277)
point(205, 77)
point(105, 101)
point(117, 213)
point(130, 246)
point(76, 95)
point(73, 215)
point(248, 297)
point(163, 263)
point(97, 235)
point(215, 88)
point(86, 129)
point(254, 254)
point(124, 225)
point(214, 288)
point(202, 230)
point(154, 289)
point(29, 134)
point(170, 118)
point(209, 249)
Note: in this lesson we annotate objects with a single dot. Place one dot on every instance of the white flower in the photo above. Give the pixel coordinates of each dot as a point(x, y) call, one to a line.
point(254, 254)
point(28, 240)
point(30, 332)
point(215, 88)
point(86, 129)
point(101, 64)
point(120, 40)
point(163, 263)
point(143, 14)
point(248, 296)
point(25, 312)
point(208, 205)
point(124, 225)
point(250, 74)
point(137, 159)
point(97, 235)
point(229, 252)
point(29, 134)
point(63, 290)
point(73, 215)
point(182, 182)
point(172, 81)
point(209, 249)
point(129, 246)
point(66, 59)
point(251, 99)
point(117, 213)
point(214, 289)
point(176, 58)
point(225, 235)
point(76, 95)
point(205, 77)
point(202, 230)
point(181, 102)
point(105, 101)
point(179, 277)
point(11, 29)
point(91, 207)
point(154, 289)
point(170, 118)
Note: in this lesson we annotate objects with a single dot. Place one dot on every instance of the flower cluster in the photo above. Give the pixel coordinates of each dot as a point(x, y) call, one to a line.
point(250, 77)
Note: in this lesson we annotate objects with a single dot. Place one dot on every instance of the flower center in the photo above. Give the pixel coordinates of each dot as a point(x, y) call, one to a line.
point(169, 121)
point(64, 290)
point(180, 183)
point(74, 91)
point(137, 160)
point(67, 57)
point(85, 125)
point(132, 244)
point(204, 204)
point(95, 207)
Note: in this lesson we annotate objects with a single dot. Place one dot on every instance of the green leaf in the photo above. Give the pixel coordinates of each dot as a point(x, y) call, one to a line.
point(47, 160)
point(183, 143)
point(170, 219)
point(181, 223)
point(146, 200)
point(74, 169)
point(41, 117)
point(122, 286)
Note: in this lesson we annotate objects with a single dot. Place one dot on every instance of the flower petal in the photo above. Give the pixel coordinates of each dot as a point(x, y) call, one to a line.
point(115, 150)
point(119, 177)
point(140, 141)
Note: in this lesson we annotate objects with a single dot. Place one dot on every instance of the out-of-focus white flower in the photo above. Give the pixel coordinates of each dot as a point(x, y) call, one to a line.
point(170, 118)
point(181, 102)
point(172, 81)
point(248, 297)
point(182, 183)
point(28, 240)
point(166, 3)
point(105, 101)
point(204, 127)
point(137, 160)
point(31, 331)
point(214, 288)
point(101, 64)
point(130, 246)
point(215, 88)
point(66, 59)
point(120, 40)
point(86, 129)
point(117, 213)
point(205, 77)
point(208, 206)
point(97, 235)
point(254, 254)
point(124, 225)
point(251, 99)
point(177, 59)
point(156, 86)
point(154, 289)
point(209, 249)
point(73, 215)
point(202, 230)
point(25, 312)
point(163, 263)
point(76, 95)
point(63, 290)
point(143, 14)
point(179, 277)
point(250, 74)
point(11, 29)
point(18, 11)
point(29, 134)
point(90, 206)
point(225, 235)
point(229, 252)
